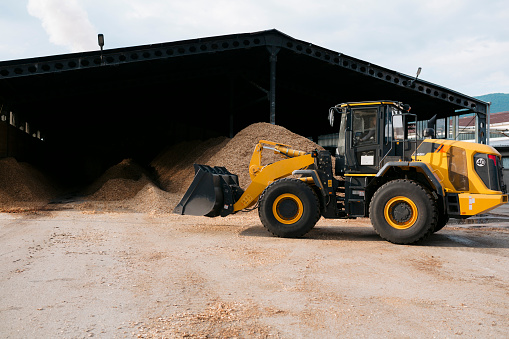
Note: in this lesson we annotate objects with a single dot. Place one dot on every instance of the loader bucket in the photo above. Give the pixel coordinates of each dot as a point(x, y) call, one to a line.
point(213, 192)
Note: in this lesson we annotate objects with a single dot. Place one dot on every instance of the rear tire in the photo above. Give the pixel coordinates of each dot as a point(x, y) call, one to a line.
point(403, 212)
point(443, 219)
point(288, 208)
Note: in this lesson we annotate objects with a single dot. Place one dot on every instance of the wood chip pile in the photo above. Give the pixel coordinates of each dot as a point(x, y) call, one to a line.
point(236, 154)
point(119, 182)
point(127, 186)
point(23, 185)
point(175, 166)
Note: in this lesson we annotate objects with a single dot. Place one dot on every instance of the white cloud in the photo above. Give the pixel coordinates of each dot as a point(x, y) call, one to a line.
point(461, 44)
point(176, 20)
point(471, 65)
point(66, 23)
point(476, 64)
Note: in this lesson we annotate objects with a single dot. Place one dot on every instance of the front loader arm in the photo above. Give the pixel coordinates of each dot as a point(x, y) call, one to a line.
point(261, 177)
point(214, 190)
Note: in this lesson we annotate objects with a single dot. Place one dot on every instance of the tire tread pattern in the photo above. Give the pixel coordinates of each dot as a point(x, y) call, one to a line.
point(302, 231)
point(434, 212)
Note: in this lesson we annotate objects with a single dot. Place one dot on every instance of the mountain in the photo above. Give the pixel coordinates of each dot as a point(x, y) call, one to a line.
point(499, 101)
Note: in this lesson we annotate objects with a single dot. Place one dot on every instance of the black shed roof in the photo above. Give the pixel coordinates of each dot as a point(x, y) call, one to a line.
point(161, 93)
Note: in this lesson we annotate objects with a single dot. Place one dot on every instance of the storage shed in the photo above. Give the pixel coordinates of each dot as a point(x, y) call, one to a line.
point(86, 111)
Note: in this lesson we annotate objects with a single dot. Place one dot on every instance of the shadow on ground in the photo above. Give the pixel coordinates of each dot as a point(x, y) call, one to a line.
point(447, 237)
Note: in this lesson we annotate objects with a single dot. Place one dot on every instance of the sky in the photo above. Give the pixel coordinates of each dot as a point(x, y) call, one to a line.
point(460, 44)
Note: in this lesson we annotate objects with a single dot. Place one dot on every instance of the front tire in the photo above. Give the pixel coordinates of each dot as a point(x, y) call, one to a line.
point(403, 212)
point(288, 208)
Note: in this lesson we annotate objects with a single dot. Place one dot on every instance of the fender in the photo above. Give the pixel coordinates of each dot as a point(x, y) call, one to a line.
point(420, 167)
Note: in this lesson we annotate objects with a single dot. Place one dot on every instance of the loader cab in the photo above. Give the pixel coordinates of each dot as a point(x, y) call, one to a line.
point(372, 134)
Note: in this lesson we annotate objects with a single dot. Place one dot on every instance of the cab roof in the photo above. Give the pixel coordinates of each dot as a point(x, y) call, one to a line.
point(372, 103)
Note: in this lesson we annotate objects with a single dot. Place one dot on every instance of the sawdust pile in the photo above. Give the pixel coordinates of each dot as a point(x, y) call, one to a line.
point(122, 181)
point(174, 166)
point(149, 199)
point(176, 173)
point(128, 186)
point(236, 155)
point(23, 185)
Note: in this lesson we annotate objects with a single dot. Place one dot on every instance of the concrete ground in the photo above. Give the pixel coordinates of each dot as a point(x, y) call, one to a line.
point(502, 210)
point(74, 274)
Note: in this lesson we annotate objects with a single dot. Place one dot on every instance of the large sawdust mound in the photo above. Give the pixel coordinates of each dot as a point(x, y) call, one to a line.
point(127, 186)
point(175, 165)
point(119, 182)
point(148, 199)
point(21, 184)
point(236, 155)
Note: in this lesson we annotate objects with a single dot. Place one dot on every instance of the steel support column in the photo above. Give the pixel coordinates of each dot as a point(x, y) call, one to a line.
point(272, 92)
point(488, 124)
point(455, 127)
point(231, 106)
point(481, 128)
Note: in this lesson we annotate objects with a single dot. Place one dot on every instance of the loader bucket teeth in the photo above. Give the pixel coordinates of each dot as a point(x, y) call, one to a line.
point(212, 193)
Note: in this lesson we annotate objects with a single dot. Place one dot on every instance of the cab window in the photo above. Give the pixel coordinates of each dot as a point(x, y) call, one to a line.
point(398, 128)
point(364, 126)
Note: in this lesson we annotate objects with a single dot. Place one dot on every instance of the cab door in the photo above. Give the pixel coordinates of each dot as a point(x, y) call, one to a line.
point(404, 136)
point(366, 137)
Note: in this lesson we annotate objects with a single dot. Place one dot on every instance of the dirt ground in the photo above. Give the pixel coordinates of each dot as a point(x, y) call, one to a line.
point(67, 273)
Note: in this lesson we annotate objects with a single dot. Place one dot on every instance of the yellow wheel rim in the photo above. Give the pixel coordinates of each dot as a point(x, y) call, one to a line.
point(287, 208)
point(400, 212)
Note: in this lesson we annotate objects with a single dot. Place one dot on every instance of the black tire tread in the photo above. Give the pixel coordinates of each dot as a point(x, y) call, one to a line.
point(442, 221)
point(297, 182)
point(434, 212)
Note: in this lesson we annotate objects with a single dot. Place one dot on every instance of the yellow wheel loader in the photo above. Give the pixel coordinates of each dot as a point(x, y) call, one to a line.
point(408, 187)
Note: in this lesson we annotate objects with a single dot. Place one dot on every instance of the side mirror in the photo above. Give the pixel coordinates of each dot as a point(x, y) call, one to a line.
point(331, 117)
point(429, 133)
point(432, 121)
